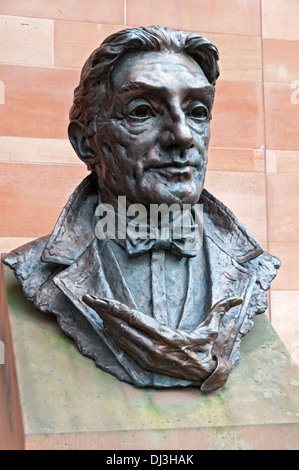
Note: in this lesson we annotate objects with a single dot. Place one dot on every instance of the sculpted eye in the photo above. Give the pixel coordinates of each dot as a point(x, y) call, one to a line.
point(141, 111)
point(197, 112)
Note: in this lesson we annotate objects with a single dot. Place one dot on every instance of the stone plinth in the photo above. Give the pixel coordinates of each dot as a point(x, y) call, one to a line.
point(54, 398)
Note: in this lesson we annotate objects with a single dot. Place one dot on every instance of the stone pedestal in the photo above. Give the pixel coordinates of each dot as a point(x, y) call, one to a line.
point(54, 398)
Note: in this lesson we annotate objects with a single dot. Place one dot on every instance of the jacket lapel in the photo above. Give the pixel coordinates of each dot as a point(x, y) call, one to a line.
point(96, 272)
point(228, 279)
point(92, 273)
point(73, 231)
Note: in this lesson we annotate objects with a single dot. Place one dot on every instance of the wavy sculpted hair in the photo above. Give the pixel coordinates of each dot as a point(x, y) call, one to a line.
point(94, 88)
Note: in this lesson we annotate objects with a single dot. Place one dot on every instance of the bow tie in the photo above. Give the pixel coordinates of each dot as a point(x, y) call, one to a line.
point(184, 247)
point(177, 247)
point(181, 235)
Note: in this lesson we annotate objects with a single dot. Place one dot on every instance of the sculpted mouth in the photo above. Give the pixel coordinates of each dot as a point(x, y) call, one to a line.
point(175, 168)
point(175, 164)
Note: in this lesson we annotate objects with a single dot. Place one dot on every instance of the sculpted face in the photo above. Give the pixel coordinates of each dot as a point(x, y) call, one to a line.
point(152, 142)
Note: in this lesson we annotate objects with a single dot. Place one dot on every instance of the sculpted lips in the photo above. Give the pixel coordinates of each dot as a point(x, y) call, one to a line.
point(172, 168)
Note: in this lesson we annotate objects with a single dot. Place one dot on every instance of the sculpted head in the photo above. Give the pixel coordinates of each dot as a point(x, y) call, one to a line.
point(141, 114)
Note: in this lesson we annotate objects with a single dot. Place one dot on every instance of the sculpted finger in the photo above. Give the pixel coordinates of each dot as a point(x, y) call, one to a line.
point(114, 307)
point(121, 332)
point(143, 358)
point(107, 308)
point(208, 330)
point(147, 352)
point(111, 323)
point(221, 307)
point(153, 359)
point(226, 304)
point(118, 310)
point(140, 321)
point(143, 350)
point(94, 302)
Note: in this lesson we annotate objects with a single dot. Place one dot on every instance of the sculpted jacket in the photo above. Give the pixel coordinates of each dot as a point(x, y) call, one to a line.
point(58, 269)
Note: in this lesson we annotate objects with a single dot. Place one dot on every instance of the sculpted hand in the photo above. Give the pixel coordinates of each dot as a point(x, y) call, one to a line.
point(161, 348)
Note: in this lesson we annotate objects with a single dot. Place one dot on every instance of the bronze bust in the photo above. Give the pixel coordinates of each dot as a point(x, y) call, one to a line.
point(150, 311)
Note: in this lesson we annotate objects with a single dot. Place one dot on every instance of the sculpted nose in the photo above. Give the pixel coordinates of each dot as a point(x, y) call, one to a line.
point(177, 134)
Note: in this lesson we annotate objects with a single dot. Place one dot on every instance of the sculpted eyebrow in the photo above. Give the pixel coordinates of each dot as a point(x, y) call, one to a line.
point(134, 84)
point(209, 89)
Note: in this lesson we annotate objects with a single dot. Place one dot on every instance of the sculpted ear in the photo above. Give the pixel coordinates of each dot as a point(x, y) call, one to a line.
point(80, 142)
